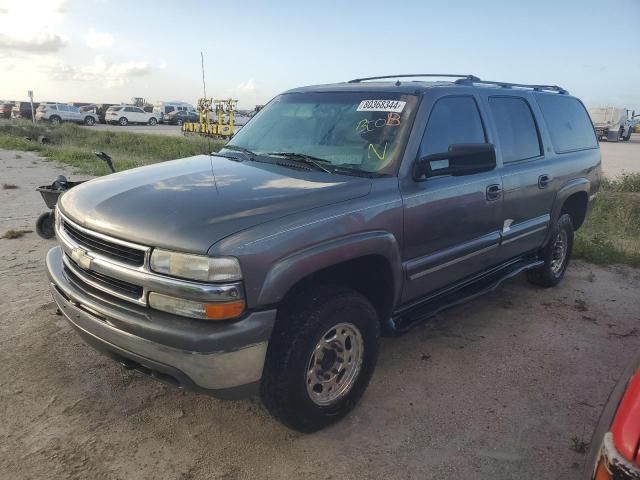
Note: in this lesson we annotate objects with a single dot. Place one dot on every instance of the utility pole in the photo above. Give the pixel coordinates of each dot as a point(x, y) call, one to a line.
point(33, 114)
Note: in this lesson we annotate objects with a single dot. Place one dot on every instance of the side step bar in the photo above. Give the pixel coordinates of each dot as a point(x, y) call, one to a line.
point(411, 315)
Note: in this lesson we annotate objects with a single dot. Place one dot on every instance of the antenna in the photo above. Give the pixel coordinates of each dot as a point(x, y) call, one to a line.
point(204, 92)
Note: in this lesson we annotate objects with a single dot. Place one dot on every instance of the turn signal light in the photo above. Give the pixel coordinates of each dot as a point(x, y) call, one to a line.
point(224, 311)
point(601, 472)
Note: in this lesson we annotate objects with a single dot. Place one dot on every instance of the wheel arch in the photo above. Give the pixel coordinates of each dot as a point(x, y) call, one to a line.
point(573, 198)
point(370, 263)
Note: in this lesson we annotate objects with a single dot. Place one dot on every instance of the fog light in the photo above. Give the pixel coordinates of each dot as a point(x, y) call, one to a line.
point(195, 309)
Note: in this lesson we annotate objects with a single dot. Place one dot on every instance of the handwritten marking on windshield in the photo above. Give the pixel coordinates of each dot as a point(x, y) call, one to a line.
point(373, 149)
point(365, 125)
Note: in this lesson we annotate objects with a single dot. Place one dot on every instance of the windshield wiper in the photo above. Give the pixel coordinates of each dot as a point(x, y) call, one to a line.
point(304, 158)
point(246, 151)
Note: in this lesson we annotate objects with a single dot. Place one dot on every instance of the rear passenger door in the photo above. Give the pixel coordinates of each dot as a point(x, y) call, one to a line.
point(451, 223)
point(527, 179)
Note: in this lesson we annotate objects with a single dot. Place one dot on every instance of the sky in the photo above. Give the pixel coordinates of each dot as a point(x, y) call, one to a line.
point(107, 51)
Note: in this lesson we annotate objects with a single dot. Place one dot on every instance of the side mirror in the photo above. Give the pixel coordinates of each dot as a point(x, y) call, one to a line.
point(460, 159)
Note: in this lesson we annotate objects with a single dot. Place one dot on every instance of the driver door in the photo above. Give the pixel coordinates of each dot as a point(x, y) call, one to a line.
point(452, 224)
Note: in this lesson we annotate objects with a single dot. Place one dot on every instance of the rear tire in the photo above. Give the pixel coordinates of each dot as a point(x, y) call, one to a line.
point(89, 121)
point(123, 122)
point(321, 356)
point(153, 122)
point(45, 225)
point(556, 255)
point(55, 120)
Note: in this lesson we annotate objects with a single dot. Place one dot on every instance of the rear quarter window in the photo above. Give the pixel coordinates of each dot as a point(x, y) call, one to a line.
point(516, 128)
point(568, 122)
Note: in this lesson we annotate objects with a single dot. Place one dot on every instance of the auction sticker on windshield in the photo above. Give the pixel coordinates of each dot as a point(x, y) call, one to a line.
point(381, 106)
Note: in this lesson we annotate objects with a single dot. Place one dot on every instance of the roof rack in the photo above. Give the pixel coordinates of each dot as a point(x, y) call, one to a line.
point(539, 88)
point(461, 77)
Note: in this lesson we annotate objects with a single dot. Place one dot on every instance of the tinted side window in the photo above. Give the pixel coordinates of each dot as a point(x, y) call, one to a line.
point(452, 120)
point(516, 128)
point(569, 124)
point(137, 110)
point(168, 109)
point(63, 108)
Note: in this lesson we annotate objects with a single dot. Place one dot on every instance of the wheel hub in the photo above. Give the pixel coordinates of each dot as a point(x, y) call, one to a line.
point(559, 252)
point(334, 364)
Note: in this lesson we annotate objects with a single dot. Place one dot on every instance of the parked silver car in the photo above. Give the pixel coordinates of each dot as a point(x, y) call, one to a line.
point(57, 113)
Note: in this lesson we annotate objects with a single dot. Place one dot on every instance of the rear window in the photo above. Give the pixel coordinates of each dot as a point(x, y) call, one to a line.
point(516, 127)
point(568, 123)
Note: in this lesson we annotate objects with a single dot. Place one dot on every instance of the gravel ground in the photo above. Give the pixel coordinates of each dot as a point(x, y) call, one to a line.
point(502, 387)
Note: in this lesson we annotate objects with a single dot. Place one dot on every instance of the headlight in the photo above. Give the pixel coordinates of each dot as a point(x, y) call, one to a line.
point(196, 267)
point(195, 309)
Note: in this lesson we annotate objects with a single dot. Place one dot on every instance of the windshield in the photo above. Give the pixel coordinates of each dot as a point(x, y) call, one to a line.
point(357, 130)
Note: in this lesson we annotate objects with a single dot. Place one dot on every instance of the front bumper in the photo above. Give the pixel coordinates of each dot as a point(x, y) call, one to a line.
point(224, 359)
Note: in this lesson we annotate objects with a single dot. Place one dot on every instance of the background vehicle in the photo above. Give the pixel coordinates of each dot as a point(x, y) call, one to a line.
point(125, 114)
point(337, 214)
point(613, 124)
point(614, 452)
point(163, 108)
point(5, 109)
point(23, 110)
point(57, 113)
point(178, 117)
point(101, 110)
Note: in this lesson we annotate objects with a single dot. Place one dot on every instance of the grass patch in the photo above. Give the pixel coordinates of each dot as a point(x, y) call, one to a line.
point(611, 233)
point(74, 145)
point(12, 234)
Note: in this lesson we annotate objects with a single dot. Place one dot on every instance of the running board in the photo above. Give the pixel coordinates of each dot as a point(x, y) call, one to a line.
point(411, 315)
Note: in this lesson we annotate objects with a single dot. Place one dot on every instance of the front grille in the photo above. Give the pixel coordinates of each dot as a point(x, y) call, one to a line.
point(116, 251)
point(99, 280)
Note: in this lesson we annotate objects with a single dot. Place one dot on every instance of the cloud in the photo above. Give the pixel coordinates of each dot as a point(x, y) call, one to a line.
point(103, 70)
point(40, 43)
point(246, 87)
point(28, 26)
point(99, 39)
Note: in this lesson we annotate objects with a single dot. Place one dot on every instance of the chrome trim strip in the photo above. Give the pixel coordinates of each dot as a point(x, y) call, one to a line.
point(79, 273)
point(522, 235)
point(452, 262)
point(124, 243)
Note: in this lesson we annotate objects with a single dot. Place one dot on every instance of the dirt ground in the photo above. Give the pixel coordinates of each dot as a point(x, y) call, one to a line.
point(507, 386)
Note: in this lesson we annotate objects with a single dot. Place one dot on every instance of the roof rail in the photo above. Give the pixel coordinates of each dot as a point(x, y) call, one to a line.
point(539, 88)
point(462, 77)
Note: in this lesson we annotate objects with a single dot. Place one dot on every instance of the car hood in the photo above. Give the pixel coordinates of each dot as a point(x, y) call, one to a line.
point(192, 203)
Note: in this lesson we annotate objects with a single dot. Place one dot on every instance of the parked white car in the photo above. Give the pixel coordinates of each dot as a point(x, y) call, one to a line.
point(125, 114)
point(57, 113)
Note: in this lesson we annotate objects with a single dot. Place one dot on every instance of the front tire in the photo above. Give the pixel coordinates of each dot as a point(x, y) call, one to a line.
point(556, 255)
point(55, 120)
point(89, 121)
point(153, 122)
point(123, 122)
point(321, 356)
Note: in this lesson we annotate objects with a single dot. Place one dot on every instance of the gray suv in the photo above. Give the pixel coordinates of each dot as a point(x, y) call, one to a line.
point(56, 113)
point(339, 213)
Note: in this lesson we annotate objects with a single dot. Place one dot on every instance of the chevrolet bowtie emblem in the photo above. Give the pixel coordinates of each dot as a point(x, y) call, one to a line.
point(82, 258)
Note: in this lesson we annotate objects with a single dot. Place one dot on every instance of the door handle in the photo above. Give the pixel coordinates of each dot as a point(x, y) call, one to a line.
point(543, 181)
point(494, 192)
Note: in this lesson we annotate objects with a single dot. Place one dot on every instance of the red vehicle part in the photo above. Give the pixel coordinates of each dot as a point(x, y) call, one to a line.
point(626, 424)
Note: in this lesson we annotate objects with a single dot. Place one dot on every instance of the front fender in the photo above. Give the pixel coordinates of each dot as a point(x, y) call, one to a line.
point(289, 270)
